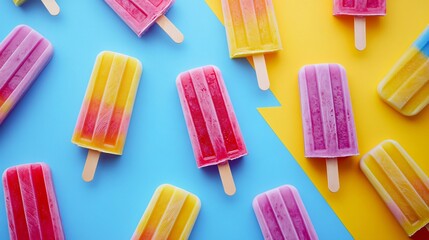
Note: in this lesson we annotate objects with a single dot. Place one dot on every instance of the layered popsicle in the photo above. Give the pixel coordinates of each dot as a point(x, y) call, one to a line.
point(406, 86)
point(251, 30)
point(23, 55)
point(402, 185)
point(31, 205)
point(327, 116)
point(139, 15)
point(103, 120)
point(281, 215)
point(212, 125)
point(171, 214)
point(51, 5)
point(360, 9)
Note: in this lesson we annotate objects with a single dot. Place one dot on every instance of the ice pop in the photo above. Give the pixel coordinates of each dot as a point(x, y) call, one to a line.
point(139, 15)
point(281, 215)
point(212, 125)
point(406, 86)
point(400, 183)
point(327, 117)
point(251, 30)
point(171, 214)
point(360, 9)
point(51, 5)
point(103, 120)
point(23, 55)
point(31, 205)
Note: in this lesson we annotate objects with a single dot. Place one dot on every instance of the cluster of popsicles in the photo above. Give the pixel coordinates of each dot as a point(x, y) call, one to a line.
point(251, 29)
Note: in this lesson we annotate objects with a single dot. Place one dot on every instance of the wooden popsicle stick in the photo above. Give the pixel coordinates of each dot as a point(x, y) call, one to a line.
point(261, 71)
point(332, 173)
point(52, 7)
point(170, 29)
point(360, 33)
point(427, 227)
point(227, 179)
point(90, 165)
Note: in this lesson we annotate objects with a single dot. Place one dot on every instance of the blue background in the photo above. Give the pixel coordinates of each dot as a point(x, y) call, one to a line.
point(158, 149)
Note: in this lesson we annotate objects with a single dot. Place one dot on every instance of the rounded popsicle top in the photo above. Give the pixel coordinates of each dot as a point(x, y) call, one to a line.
point(44, 166)
point(365, 158)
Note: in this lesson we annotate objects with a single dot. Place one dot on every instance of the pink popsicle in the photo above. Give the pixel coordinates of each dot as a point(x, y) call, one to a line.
point(360, 9)
point(327, 117)
point(23, 55)
point(31, 205)
point(139, 15)
point(212, 125)
point(281, 215)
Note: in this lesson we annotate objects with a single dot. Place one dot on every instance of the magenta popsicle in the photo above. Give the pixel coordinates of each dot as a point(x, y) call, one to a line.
point(213, 128)
point(360, 9)
point(139, 15)
point(31, 205)
point(281, 215)
point(327, 117)
point(23, 55)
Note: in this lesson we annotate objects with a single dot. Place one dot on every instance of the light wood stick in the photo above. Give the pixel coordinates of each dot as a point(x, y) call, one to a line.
point(227, 179)
point(52, 7)
point(332, 173)
point(360, 33)
point(90, 165)
point(170, 29)
point(261, 71)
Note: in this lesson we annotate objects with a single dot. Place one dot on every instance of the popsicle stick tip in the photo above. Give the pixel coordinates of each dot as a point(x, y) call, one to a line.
point(90, 165)
point(226, 178)
point(261, 72)
point(52, 7)
point(332, 173)
point(170, 29)
point(360, 33)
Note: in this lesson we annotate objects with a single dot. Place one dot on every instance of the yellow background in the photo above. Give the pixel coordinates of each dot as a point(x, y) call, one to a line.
point(310, 34)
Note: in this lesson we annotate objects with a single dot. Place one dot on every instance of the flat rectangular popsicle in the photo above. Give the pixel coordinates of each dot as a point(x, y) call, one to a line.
point(104, 118)
point(31, 205)
point(360, 9)
point(281, 214)
point(171, 214)
point(251, 30)
point(212, 125)
point(406, 86)
point(401, 183)
point(327, 116)
point(51, 5)
point(139, 15)
point(23, 55)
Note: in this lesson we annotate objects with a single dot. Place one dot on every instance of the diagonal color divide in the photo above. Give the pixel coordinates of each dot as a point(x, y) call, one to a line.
point(310, 34)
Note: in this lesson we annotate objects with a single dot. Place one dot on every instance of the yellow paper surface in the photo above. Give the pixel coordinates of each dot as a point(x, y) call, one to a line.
point(310, 34)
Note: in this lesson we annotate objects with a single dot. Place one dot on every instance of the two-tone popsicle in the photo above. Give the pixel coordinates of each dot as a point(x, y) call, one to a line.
point(104, 118)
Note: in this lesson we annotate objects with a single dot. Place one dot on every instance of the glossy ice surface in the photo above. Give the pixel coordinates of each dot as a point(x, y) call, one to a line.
point(210, 117)
point(106, 111)
point(360, 7)
point(327, 117)
point(400, 182)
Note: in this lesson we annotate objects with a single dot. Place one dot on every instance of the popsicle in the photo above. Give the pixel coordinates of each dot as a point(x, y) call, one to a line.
point(171, 214)
point(212, 125)
point(281, 215)
point(103, 120)
point(23, 55)
point(360, 9)
point(406, 86)
point(139, 15)
point(327, 117)
point(51, 5)
point(251, 30)
point(31, 205)
point(401, 183)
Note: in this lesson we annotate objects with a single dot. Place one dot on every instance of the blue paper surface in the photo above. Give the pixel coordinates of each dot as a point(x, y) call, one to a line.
point(158, 149)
